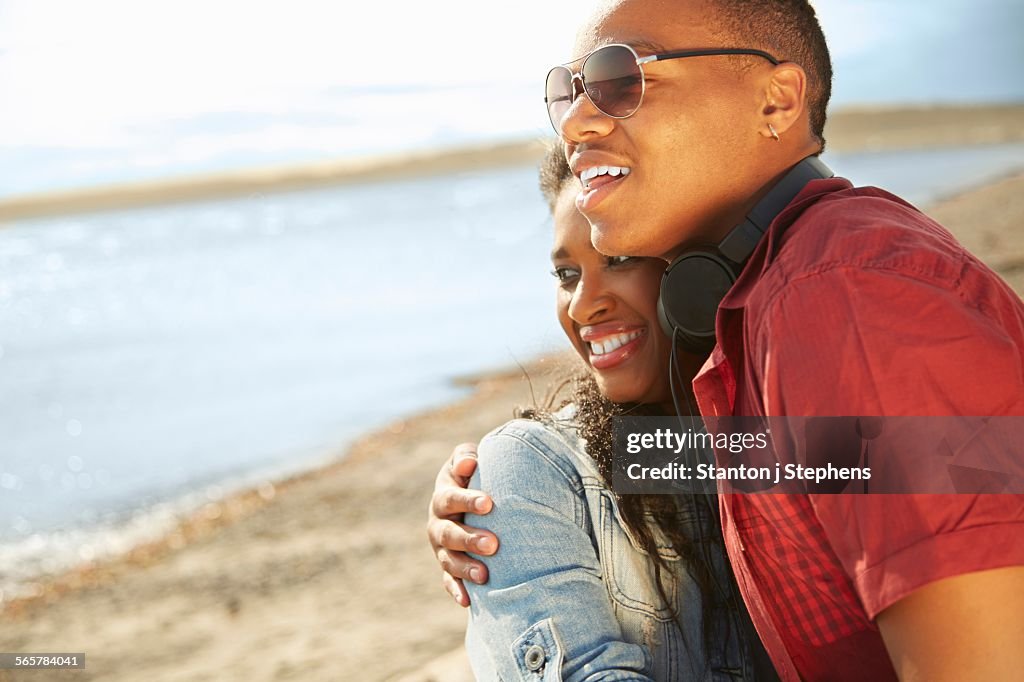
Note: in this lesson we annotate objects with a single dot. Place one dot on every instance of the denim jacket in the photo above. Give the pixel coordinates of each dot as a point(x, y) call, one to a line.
point(571, 595)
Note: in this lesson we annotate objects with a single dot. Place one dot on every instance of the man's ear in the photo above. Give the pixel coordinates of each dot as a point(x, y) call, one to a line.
point(785, 99)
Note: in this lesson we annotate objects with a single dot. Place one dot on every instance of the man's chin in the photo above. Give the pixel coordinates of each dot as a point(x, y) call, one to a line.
point(620, 240)
point(611, 240)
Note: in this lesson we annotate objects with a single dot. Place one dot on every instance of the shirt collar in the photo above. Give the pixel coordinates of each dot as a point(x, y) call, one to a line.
point(762, 257)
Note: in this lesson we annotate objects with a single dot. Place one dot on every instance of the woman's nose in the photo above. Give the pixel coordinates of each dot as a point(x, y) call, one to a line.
point(590, 301)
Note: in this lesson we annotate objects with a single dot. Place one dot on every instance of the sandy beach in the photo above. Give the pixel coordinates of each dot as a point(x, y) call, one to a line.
point(327, 576)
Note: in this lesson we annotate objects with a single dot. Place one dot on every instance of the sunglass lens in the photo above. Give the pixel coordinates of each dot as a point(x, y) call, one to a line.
point(614, 81)
point(558, 94)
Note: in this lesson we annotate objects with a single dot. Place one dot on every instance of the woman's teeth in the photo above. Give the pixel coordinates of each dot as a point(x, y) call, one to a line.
point(613, 342)
point(595, 171)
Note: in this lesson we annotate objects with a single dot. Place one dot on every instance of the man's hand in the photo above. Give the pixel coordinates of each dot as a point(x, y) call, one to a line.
point(448, 536)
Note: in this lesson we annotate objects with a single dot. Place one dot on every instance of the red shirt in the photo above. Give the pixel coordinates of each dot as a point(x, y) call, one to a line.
point(855, 303)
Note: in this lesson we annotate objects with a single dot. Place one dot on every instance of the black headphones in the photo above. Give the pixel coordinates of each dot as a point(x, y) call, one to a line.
point(695, 283)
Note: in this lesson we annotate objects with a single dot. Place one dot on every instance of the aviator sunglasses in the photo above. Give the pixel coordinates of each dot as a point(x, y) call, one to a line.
point(612, 77)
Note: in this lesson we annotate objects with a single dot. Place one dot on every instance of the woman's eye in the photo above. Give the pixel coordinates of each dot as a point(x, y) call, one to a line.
point(619, 260)
point(564, 274)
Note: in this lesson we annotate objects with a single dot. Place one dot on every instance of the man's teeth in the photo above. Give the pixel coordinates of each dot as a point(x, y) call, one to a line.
point(591, 173)
point(612, 343)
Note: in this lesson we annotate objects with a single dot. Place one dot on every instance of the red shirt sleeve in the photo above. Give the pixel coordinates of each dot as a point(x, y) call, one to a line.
point(851, 341)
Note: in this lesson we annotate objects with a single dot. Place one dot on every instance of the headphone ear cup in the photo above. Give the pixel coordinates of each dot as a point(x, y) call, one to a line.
point(691, 289)
point(666, 325)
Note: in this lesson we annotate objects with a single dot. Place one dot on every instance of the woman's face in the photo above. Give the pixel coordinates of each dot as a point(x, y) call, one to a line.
point(608, 309)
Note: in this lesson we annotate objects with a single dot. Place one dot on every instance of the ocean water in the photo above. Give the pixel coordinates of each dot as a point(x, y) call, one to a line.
point(152, 359)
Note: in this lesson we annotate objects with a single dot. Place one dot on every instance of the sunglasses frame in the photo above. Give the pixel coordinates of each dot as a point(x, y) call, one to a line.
point(640, 61)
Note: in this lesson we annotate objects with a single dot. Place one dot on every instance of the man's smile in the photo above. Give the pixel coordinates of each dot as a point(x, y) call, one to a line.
point(595, 176)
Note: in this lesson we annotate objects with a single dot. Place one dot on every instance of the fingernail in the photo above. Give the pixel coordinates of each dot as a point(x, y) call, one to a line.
point(485, 545)
point(480, 504)
point(475, 574)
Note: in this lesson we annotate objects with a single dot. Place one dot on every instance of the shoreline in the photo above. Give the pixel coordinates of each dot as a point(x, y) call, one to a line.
point(170, 521)
point(183, 519)
point(848, 130)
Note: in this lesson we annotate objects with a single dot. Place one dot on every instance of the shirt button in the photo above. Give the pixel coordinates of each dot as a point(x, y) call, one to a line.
point(534, 658)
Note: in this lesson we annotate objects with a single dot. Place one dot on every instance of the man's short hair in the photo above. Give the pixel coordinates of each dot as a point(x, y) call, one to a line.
point(789, 30)
point(554, 173)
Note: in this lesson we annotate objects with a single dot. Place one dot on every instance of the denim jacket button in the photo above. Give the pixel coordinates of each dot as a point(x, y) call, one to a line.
point(534, 658)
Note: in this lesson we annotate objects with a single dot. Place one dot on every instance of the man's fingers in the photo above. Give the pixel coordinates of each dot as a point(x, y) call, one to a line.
point(463, 462)
point(448, 535)
point(453, 501)
point(459, 565)
point(455, 588)
point(451, 540)
point(463, 468)
point(460, 538)
point(459, 466)
point(484, 541)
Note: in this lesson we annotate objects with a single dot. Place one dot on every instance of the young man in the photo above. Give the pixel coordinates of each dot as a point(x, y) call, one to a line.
point(853, 303)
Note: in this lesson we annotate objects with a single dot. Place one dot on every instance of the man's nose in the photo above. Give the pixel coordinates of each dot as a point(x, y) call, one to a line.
point(582, 120)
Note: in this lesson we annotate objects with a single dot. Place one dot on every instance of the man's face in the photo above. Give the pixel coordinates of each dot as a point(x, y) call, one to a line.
point(688, 148)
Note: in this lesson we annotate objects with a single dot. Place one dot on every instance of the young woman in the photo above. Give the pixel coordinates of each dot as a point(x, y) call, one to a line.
point(589, 584)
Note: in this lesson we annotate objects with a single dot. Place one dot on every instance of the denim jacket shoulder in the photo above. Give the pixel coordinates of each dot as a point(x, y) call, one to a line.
point(571, 594)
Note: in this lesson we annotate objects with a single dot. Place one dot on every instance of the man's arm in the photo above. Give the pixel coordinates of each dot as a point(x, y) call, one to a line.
point(968, 627)
point(448, 536)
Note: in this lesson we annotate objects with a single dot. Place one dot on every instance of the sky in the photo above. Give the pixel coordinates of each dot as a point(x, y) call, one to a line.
point(114, 90)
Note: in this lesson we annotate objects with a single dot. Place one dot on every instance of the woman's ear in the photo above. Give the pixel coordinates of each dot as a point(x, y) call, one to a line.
point(785, 100)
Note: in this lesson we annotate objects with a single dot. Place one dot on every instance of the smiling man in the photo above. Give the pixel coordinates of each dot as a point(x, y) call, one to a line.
point(679, 118)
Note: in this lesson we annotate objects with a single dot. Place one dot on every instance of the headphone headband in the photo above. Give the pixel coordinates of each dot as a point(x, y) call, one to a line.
point(695, 283)
point(742, 240)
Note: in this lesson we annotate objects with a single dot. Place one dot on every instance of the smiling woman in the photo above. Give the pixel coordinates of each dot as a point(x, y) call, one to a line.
point(607, 307)
point(587, 580)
